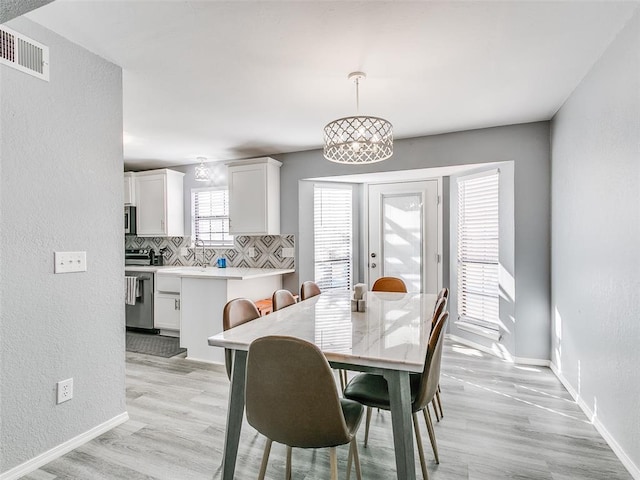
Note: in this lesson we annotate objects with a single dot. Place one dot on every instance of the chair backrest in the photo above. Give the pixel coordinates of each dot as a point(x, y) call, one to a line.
point(236, 312)
point(430, 377)
point(444, 293)
point(281, 299)
point(309, 289)
point(291, 395)
point(441, 306)
point(389, 284)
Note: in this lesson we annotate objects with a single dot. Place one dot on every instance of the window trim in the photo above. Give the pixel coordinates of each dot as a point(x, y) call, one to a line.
point(352, 234)
point(491, 328)
point(209, 243)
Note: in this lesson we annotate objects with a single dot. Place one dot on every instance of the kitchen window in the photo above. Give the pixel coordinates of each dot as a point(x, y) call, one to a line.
point(478, 260)
point(210, 216)
point(333, 236)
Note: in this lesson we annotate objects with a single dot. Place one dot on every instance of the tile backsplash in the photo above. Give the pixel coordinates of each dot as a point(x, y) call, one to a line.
point(268, 250)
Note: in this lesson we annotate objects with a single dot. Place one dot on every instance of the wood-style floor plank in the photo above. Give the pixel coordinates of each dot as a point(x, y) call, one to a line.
point(501, 422)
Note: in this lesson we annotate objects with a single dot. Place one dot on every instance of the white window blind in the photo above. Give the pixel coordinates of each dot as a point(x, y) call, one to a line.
point(210, 216)
point(333, 236)
point(478, 235)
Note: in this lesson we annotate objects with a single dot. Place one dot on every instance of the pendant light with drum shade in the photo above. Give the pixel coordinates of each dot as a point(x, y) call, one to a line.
point(203, 174)
point(359, 139)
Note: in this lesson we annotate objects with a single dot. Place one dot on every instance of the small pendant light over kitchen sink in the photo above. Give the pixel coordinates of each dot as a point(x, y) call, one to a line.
point(358, 139)
point(202, 172)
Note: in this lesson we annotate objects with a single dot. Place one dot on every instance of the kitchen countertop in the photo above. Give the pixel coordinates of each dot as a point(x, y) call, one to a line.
point(146, 268)
point(229, 273)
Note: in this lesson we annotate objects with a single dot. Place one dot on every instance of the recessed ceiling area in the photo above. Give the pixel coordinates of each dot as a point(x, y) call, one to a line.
point(229, 79)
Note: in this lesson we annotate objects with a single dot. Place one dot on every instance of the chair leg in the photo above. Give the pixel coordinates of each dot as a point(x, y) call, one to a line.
point(432, 435)
point(342, 376)
point(350, 460)
point(333, 456)
point(288, 472)
point(435, 408)
point(265, 459)
point(439, 402)
point(366, 427)
point(416, 430)
point(356, 456)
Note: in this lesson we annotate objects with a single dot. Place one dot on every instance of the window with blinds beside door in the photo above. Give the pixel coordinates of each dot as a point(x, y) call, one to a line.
point(210, 216)
point(333, 236)
point(478, 261)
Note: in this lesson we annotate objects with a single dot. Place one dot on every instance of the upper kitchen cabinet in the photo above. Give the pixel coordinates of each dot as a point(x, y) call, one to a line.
point(129, 189)
point(254, 197)
point(159, 203)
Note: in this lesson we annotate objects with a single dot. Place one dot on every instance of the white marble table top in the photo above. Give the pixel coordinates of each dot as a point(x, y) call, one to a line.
point(393, 332)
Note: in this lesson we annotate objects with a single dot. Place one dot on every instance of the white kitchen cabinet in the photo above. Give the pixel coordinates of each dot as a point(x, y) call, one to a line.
point(254, 197)
point(129, 189)
point(166, 315)
point(166, 304)
point(159, 198)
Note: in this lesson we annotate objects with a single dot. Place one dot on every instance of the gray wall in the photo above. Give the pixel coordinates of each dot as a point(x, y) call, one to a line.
point(596, 240)
point(60, 189)
point(526, 145)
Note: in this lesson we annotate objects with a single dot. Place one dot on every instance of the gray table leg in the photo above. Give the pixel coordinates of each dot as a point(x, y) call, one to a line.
point(400, 397)
point(234, 414)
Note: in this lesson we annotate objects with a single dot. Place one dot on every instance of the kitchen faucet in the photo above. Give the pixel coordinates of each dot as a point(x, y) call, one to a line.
point(199, 243)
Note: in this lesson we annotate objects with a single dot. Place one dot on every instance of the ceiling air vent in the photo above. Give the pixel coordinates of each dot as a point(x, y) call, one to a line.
point(24, 54)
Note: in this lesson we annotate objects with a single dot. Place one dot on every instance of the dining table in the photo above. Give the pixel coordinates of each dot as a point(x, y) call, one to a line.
point(389, 338)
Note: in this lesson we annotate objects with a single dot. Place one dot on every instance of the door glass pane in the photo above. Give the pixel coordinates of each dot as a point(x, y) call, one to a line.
point(402, 238)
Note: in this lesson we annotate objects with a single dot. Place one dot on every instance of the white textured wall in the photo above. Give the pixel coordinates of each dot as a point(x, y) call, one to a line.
point(60, 189)
point(596, 240)
point(13, 8)
point(527, 146)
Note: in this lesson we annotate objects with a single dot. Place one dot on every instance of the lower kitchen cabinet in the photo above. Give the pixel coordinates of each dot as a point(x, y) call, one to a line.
point(167, 311)
point(167, 304)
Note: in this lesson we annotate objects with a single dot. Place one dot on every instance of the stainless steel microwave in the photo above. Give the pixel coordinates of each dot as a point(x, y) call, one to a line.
point(129, 220)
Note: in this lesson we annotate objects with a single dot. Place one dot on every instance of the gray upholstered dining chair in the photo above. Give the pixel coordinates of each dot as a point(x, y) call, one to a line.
point(236, 312)
point(389, 284)
point(372, 390)
point(281, 299)
point(291, 398)
point(309, 289)
point(441, 306)
point(444, 293)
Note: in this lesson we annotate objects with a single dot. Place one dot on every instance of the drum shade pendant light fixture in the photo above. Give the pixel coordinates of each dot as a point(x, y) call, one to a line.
point(202, 172)
point(358, 139)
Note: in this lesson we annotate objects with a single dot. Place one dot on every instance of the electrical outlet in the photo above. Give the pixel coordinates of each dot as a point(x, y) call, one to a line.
point(65, 390)
point(252, 252)
point(288, 252)
point(184, 251)
point(68, 262)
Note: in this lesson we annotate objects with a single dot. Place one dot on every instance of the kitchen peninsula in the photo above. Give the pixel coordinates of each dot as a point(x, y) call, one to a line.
point(203, 294)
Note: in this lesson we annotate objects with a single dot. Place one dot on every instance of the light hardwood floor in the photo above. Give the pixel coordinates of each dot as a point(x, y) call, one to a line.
point(500, 422)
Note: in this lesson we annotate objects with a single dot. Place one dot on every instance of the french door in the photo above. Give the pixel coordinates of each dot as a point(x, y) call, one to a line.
point(404, 234)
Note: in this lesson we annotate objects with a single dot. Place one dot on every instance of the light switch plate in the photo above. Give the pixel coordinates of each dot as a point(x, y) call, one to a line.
point(288, 252)
point(68, 262)
point(252, 252)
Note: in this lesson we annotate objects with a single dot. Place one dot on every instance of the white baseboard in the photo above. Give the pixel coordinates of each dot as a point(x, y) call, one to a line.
point(58, 451)
point(517, 360)
point(536, 362)
point(634, 470)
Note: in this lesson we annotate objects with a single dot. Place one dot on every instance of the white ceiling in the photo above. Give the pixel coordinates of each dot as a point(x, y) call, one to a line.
point(237, 79)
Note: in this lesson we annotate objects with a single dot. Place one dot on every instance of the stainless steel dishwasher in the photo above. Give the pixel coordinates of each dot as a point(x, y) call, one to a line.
point(140, 315)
